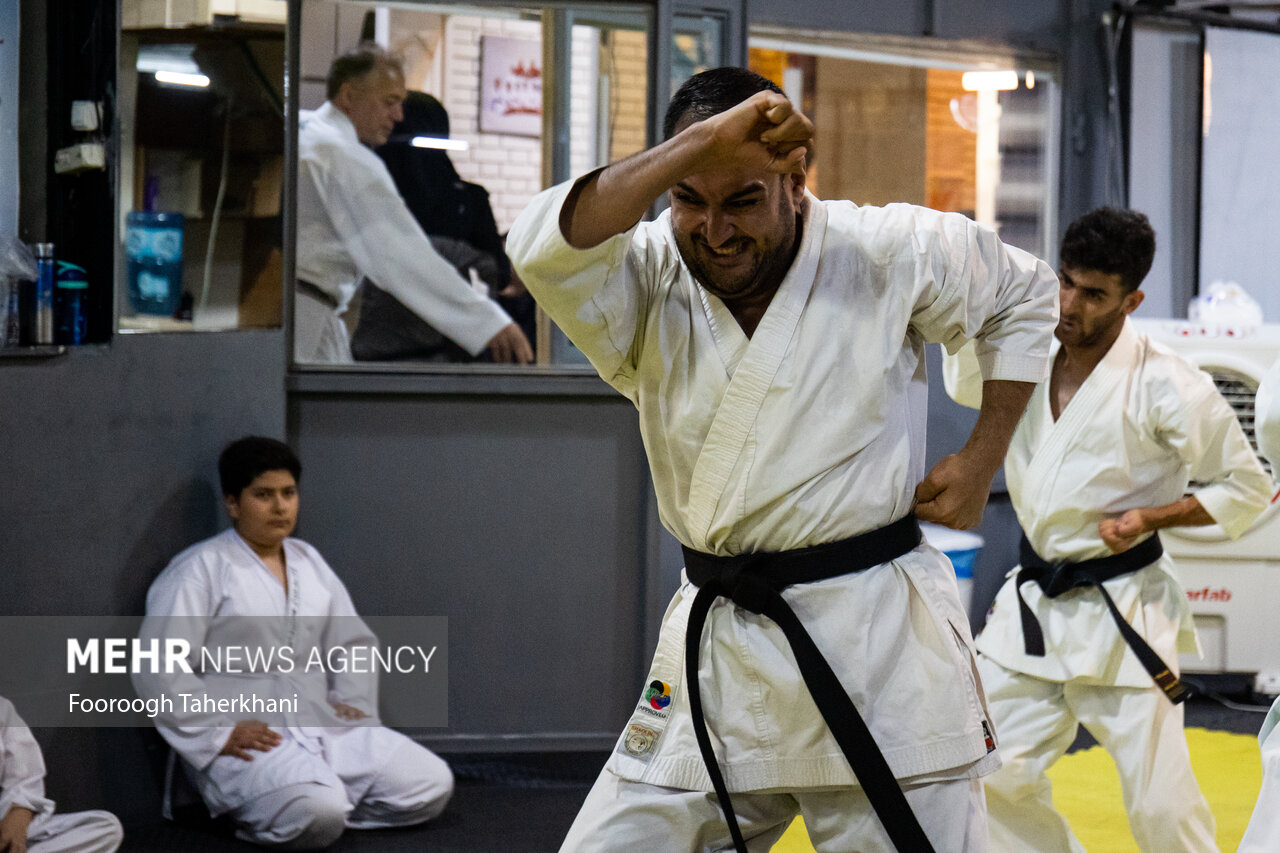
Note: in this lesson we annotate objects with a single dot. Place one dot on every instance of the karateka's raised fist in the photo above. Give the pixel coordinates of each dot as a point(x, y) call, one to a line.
point(247, 735)
point(765, 131)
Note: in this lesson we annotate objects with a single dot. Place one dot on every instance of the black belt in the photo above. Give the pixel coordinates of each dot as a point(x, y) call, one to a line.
point(754, 582)
point(316, 292)
point(1057, 578)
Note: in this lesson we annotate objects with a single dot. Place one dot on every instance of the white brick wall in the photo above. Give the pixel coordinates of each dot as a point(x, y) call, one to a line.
point(508, 166)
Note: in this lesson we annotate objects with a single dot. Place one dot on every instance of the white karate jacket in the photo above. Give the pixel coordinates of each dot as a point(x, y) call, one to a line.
point(1141, 427)
point(352, 223)
point(810, 432)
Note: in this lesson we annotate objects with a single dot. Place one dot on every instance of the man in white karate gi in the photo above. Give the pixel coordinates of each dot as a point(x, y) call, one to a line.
point(28, 823)
point(773, 345)
point(1263, 833)
point(296, 783)
point(1100, 461)
point(353, 223)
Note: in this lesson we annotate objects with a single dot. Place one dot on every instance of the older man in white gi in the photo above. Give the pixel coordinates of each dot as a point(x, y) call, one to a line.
point(295, 779)
point(773, 345)
point(1088, 628)
point(352, 223)
point(28, 823)
point(1263, 834)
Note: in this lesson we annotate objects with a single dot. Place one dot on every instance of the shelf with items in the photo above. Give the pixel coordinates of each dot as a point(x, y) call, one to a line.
point(208, 154)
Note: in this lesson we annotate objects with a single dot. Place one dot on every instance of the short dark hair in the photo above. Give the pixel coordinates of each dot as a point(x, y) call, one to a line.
point(358, 64)
point(1111, 241)
point(245, 459)
point(712, 92)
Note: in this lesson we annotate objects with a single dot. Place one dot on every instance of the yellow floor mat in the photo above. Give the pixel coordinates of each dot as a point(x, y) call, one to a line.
point(1086, 789)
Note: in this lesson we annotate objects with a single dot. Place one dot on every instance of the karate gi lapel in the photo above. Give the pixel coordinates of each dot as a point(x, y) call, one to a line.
point(752, 368)
point(1108, 375)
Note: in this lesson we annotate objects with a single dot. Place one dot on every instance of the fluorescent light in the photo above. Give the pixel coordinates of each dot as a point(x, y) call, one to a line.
point(442, 144)
point(1030, 80)
point(181, 79)
point(989, 81)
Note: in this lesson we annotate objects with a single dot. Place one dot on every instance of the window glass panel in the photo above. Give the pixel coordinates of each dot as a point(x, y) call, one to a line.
point(897, 123)
point(201, 166)
point(484, 65)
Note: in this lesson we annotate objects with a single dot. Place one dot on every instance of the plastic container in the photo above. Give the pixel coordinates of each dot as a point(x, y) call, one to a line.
point(153, 249)
point(71, 304)
point(42, 303)
point(961, 547)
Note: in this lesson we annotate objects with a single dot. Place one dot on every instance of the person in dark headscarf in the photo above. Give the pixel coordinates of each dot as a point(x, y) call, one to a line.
point(458, 217)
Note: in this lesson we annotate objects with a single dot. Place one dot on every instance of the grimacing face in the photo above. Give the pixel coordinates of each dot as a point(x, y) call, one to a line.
point(266, 511)
point(1091, 304)
point(737, 228)
point(373, 103)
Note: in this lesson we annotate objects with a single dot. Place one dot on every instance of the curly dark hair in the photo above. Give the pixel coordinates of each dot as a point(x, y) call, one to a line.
point(711, 93)
point(245, 459)
point(1111, 241)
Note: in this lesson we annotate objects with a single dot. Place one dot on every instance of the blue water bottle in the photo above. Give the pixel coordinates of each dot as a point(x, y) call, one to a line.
point(153, 248)
point(42, 313)
point(71, 304)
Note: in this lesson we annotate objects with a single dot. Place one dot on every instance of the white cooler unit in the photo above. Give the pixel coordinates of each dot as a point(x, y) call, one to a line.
point(1234, 587)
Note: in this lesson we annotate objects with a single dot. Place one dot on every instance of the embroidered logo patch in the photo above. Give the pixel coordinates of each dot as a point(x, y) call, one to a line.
point(658, 695)
point(639, 739)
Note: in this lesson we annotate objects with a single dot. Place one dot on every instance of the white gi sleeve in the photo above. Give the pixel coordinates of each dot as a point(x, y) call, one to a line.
point(1266, 406)
point(344, 628)
point(1189, 415)
point(179, 605)
point(970, 285)
point(21, 765)
point(962, 376)
point(597, 296)
point(387, 245)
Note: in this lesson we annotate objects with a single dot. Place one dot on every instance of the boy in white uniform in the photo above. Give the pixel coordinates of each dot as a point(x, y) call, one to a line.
point(773, 343)
point(294, 785)
point(1088, 628)
point(27, 820)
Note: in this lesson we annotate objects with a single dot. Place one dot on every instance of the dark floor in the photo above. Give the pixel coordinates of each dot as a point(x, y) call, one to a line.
point(502, 804)
point(525, 803)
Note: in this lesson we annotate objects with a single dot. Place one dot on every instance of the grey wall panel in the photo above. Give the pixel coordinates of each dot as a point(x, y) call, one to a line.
point(108, 468)
point(859, 16)
point(109, 465)
point(523, 520)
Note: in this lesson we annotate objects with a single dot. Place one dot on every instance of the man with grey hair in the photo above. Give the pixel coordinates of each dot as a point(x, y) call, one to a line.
point(352, 223)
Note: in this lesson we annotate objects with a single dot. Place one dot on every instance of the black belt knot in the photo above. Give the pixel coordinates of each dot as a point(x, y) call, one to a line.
point(744, 587)
point(755, 582)
point(1059, 577)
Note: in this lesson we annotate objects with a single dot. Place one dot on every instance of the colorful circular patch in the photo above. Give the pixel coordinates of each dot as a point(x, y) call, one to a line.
point(658, 694)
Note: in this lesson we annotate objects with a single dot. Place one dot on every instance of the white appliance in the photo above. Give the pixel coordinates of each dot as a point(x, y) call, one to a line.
point(1234, 587)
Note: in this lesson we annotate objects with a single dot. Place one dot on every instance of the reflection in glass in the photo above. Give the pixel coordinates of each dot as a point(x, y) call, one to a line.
point(482, 66)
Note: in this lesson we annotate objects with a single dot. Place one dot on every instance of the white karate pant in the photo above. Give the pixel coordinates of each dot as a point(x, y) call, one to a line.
point(622, 817)
point(74, 832)
point(1263, 834)
point(412, 786)
point(1036, 722)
